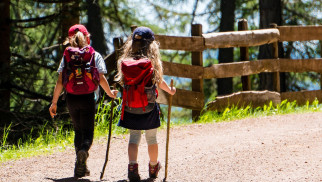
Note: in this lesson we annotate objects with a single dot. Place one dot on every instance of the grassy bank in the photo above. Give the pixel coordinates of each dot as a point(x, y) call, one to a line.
point(58, 139)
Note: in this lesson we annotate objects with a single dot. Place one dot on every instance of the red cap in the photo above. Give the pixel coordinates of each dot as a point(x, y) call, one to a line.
point(75, 28)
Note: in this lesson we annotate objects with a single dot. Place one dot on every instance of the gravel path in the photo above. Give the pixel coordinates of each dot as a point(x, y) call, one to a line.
point(275, 148)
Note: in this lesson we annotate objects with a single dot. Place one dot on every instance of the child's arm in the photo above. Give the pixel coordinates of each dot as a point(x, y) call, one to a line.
point(164, 86)
point(104, 84)
point(58, 89)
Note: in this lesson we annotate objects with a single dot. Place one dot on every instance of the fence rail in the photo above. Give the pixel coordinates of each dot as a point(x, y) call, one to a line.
point(259, 98)
point(242, 68)
point(245, 38)
point(300, 33)
point(183, 98)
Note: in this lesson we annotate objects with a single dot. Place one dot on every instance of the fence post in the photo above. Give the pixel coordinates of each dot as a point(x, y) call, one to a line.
point(196, 59)
point(244, 55)
point(133, 27)
point(276, 75)
point(117, 43)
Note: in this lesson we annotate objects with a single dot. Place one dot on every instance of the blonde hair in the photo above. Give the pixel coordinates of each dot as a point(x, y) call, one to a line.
point(77, 40)
point(152, 53)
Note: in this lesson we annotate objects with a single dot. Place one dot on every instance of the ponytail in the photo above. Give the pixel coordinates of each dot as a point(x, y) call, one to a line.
point(78, 40)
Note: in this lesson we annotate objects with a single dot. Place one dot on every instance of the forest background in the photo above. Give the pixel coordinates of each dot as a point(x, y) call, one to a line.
point(32, 32)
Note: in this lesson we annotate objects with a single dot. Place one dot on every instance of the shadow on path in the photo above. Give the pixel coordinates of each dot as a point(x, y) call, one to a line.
point(70, 179)
point(143, 180)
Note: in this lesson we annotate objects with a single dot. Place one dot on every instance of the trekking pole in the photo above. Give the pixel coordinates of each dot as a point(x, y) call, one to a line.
point(168, 133)
point(55, 124)
point(109, 136)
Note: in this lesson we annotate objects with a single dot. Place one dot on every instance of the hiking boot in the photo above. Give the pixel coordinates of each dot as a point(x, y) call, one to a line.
point(80, 164)
point(133, 172)
point(154, 170)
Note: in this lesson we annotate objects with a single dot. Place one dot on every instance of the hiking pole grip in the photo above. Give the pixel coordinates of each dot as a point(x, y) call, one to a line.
point(168, 133)
point(109, 135)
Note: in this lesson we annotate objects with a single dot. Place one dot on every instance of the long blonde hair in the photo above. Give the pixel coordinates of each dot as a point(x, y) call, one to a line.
point(77, 40)
point(152, 53)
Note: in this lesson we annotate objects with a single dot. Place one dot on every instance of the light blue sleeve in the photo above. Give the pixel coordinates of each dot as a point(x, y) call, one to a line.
point(100, 63)
point(61, 65)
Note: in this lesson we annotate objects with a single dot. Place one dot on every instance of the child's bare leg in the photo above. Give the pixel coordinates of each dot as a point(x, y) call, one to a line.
point(151, 139)
point(135, 137)
point(133, 152)
point(153, 153)
point(133, 171)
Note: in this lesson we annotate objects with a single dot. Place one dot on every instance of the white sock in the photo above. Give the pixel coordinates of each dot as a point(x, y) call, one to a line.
point(153, 163)
point(133, 162)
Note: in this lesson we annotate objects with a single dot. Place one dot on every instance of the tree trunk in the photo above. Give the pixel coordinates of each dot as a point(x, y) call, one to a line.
point(69, 17)
point(4, 59)
point(95, 27)
point(270, 12)
point(227, 8)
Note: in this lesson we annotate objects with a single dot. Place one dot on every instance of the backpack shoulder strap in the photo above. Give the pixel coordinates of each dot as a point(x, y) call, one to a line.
point(91, 50)
point(66, 54)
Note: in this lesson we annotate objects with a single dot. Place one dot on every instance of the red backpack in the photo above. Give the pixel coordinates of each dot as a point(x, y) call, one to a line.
point(139, 93)
point(80, 75)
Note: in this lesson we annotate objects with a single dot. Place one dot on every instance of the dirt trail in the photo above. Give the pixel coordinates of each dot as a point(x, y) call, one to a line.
point(276, 148)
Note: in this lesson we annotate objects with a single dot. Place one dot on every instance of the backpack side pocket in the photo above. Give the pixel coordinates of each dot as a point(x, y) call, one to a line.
point(151, 93)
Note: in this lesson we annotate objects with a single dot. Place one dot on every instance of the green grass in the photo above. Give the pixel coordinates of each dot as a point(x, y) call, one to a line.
point(48, 141)
point(56, 139)
point(234, 113)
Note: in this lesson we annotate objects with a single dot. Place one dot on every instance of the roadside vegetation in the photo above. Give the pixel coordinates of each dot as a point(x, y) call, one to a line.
point(58, 138)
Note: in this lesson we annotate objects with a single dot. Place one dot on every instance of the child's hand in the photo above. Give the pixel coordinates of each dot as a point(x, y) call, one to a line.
point(172, 90)
point(52, 110)
point(114, 92)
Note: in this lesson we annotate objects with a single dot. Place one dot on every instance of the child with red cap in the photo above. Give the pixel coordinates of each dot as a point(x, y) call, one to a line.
point(140, 70)
point(81, 70)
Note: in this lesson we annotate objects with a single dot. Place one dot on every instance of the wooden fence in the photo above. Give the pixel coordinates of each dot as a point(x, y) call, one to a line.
point(194, 99)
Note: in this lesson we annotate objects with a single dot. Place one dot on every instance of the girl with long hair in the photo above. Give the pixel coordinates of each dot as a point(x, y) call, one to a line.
point(142, 47)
